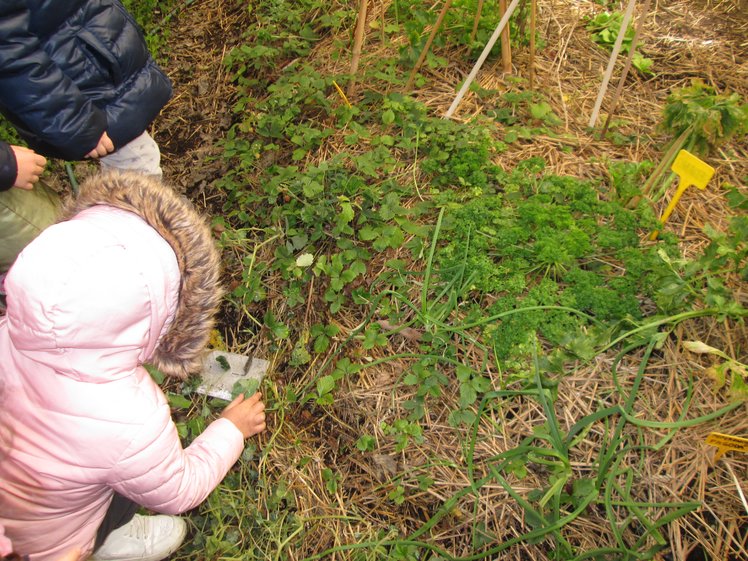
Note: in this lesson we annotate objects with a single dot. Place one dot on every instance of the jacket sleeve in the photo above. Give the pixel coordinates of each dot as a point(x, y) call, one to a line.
point(37, 94)
point(8, 167)
point(5, 547)
point(157, 473)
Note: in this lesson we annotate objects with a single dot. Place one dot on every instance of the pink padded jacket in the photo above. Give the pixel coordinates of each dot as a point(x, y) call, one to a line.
point(130, 277)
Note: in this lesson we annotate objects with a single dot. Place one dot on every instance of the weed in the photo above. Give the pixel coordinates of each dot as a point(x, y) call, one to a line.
point(152, 15)
point(604, 29)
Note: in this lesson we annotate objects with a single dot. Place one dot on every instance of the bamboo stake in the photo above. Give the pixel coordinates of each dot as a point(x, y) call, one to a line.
point(626, 67)
point(533, 10)
point(612, 62)
point(358, 41)
point(506, 46)
point(427, 46)
point(476, 21)
point(482, 58)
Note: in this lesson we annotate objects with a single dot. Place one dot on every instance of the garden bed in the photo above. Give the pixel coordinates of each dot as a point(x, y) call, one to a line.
point(476, 350)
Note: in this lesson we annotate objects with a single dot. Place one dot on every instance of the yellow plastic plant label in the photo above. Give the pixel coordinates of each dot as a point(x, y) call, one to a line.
point(725, 442)
point(691, 171)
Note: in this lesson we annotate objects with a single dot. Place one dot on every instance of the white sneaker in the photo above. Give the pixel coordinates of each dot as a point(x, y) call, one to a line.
point(144, 538)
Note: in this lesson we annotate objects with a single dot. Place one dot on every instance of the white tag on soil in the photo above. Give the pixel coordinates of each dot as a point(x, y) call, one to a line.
point(223, 371)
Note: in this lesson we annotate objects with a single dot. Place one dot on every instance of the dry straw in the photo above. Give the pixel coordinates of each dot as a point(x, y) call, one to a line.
point(686, 39)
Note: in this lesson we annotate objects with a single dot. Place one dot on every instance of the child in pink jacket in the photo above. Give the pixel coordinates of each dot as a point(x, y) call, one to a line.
point(129, 277)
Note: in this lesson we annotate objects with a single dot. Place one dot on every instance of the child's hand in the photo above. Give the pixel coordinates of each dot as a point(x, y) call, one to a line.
point(71, 555)
point(104, 147)
point(247, 414)
point(30, 167)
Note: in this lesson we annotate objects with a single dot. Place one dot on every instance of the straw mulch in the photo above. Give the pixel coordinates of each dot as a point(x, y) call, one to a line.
point(706, 39)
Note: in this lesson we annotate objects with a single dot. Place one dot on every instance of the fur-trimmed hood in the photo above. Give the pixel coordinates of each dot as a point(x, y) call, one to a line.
point(161, 305)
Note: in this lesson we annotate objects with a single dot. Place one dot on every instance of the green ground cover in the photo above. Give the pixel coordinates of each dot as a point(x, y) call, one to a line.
point(404, 224)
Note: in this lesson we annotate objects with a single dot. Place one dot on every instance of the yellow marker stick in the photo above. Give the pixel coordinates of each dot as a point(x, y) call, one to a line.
point(692, 171)
point(725, 442)
point(341, 94)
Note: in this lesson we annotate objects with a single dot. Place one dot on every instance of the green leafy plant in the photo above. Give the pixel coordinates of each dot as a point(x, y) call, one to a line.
point(700, 121)
point(152, 15)
point(604, 29)
point(549, 241)
point(704, 280)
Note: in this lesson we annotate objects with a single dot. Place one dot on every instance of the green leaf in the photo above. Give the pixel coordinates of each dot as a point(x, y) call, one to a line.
point(312, 188)
point(367, 233)
point(346, 213)
point(321, 343)
point(366, 443)
point(177, 401)
point(304, 260)
point(278, 329)
point(325, 385)
point(155, 373)
point(468, 395)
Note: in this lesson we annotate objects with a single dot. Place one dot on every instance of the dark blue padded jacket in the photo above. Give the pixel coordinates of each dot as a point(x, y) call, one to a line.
point(71, 70)
point(8, 167)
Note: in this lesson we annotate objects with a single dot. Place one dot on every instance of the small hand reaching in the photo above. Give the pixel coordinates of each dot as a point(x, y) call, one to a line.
point(71, 555)
point(30, 167)
point(247, 414)
point(104, 147)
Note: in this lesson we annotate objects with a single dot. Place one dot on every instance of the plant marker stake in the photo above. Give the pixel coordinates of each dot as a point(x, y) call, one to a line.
point(692, 171)
point(427, 46)
point(482, 58)
point(626, 67)
point(341, 93)
point(358, 41)
point(612, 62)
point(506, 46)
point(533, 25)
point(726, 442)
point(478, 13)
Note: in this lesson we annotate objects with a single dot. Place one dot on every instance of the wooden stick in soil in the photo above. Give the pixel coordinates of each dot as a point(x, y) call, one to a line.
point(478, 14)
point(482, 58)
point(427, 46)
point(506, 46)
point(533, 24)
point(612, 62)
point(626, 67)
point(358, 41)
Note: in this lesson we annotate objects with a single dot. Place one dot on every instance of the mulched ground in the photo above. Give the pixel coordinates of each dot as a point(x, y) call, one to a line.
point(706, 39)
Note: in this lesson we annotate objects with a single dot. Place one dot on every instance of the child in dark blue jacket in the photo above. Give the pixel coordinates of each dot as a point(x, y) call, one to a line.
point(76, 77)
point(77, 81)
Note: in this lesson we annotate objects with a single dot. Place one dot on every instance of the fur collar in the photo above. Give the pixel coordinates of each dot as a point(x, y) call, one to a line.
point(176, 220)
